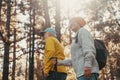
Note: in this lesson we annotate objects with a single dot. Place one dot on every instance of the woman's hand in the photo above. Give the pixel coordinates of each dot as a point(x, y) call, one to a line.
point(87, 71)
point(54, 61)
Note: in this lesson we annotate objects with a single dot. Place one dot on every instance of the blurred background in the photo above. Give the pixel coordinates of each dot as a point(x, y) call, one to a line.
point(22, 48)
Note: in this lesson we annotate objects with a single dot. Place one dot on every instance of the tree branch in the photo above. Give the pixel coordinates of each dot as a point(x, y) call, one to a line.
point(2, 37)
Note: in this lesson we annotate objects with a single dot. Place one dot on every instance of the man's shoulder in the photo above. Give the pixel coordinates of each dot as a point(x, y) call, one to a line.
point(51, 39)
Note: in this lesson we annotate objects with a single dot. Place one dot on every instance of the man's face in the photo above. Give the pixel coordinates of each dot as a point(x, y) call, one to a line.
point(46, 35)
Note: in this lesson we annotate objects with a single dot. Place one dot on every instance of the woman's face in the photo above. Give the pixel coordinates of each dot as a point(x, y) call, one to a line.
point(74, 27)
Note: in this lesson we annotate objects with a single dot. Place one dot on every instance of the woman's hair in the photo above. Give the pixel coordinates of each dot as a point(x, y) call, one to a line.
point(78, 20)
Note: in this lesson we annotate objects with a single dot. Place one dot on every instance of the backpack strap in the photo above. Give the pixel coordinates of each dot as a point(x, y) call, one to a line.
point(76, 38)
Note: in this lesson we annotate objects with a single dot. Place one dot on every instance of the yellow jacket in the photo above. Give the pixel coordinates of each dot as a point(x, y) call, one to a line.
point(53, 48)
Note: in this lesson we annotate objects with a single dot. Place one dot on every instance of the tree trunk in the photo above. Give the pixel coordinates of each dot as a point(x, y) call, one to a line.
point(26, 70)
point(30, 45)
point(111, 72)
point(31, 52)
point(0, 8)
point(7, 44)
point(0, 20)
point(33, 39)
point(14, 53)
point(14, 56)
point(39, 68)
point(46, 14)
point(57, 19)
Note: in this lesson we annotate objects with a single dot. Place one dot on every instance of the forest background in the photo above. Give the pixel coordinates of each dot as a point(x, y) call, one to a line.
point(21, 46)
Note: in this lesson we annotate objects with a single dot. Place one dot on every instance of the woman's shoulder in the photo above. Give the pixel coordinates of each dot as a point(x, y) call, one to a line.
point(83, 30)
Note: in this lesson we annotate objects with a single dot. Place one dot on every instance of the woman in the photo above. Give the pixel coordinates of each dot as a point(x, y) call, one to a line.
point(82, 52)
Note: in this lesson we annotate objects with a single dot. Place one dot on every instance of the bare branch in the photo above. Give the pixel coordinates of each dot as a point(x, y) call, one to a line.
point(2, 37)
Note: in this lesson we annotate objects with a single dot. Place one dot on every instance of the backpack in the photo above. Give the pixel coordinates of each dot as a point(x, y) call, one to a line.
point(101, 52)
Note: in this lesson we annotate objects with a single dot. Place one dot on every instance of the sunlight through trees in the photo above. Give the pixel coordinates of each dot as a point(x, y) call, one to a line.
point(22, 47)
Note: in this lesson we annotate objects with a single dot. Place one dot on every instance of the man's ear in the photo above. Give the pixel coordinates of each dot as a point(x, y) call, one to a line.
point(42, 33)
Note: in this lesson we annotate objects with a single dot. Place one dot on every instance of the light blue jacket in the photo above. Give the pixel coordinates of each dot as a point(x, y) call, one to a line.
point(82, 53)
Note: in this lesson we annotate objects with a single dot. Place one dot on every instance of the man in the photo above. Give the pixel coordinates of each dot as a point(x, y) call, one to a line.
point(83, 52)
point(53, 48)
